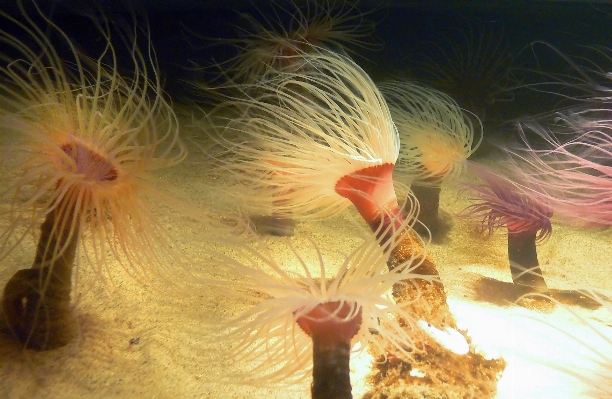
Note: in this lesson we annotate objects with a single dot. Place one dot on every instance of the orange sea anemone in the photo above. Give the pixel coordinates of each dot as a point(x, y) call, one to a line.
point(79, 144)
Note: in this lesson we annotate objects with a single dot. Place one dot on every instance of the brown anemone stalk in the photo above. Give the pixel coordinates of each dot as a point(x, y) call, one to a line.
point(80, 141)
point(498, 202)
point(325, 138)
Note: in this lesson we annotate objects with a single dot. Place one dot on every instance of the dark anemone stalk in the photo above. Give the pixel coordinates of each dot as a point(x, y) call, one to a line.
point(498, 202)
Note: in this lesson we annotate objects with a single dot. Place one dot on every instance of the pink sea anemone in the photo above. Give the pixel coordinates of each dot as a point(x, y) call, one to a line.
point(575, 176)
point(498, 202)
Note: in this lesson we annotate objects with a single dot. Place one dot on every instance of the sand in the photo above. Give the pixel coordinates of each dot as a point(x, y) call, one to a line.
point(146, 341)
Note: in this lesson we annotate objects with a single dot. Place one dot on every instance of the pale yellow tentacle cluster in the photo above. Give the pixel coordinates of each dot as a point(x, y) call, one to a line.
point(436, 135)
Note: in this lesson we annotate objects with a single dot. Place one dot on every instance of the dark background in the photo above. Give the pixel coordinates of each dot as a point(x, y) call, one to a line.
point(191, 37)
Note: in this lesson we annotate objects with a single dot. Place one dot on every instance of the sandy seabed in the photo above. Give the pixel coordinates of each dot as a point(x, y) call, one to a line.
point(151, 340)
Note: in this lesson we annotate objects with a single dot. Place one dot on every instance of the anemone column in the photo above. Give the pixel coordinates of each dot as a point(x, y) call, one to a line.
point(523, 258)
point(36, 301)
point(367, 189)
point(332, 326)
point(429, 209)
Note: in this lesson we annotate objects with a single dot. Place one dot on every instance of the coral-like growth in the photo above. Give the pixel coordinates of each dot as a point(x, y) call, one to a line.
point(80, 141)
point(436, 139)
point(498, 202)
point(308, 309)
point(264, 50)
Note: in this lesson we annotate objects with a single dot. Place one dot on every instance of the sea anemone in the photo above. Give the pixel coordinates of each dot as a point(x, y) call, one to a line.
point(309, 315)
point(264, 50)
point(498, 202)
point(575, 176)
point(80, 141)
point(436, 139)
point(313, 135)
point(472, 66)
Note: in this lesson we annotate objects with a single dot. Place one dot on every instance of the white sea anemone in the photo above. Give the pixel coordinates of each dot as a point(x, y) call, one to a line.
point(266, 340)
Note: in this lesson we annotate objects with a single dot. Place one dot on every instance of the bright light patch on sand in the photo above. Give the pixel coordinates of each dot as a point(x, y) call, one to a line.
point(360, 367)
point(449, 338)
point(537, 347)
